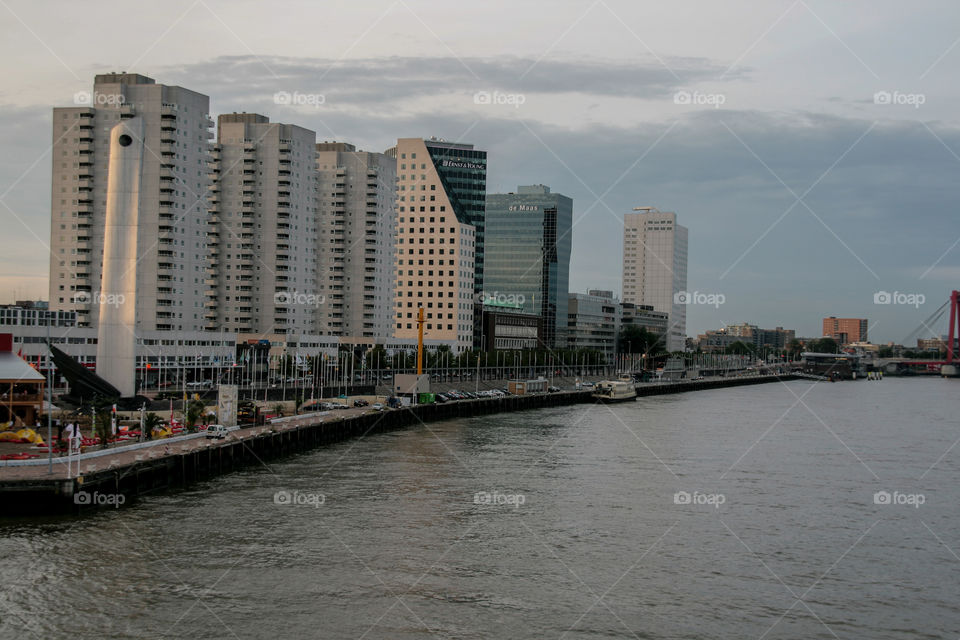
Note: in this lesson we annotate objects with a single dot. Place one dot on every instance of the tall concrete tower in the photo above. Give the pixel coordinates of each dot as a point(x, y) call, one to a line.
point(117, 299)
point(655, 267)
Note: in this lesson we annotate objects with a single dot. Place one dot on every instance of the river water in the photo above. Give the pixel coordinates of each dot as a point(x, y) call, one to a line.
point(750, 512)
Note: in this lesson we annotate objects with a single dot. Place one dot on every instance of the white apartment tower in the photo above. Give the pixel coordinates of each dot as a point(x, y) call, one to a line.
point(441, 192)
point(171, 238)
point(655, 268)
point(261, 228)
point(356, 241)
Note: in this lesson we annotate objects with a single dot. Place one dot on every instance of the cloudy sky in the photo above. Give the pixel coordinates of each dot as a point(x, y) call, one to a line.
point(811, 147)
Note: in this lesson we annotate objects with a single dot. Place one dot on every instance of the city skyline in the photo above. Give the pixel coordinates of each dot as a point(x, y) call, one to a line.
point(727, 133)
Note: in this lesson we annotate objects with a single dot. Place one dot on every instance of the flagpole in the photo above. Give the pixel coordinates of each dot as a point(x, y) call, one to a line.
point(50, 408)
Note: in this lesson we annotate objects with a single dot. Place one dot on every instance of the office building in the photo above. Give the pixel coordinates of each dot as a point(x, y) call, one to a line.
point(845, 330)
point(593, 321)
point(506, 326)
point(356, 249)
point(645, 317)
point(35, 314)
point(440, 203)
point(655, 267)
point(527, 247)
point(172, 218)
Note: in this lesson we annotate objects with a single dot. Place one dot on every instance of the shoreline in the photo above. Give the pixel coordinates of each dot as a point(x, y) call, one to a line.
point(120, 477)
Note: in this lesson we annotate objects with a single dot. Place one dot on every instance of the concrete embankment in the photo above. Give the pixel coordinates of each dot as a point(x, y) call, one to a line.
point(118, 478)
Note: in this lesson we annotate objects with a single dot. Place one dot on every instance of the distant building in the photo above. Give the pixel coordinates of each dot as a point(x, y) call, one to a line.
point(440, 215)
point(356, 233)
point(655, 267)
point(593, 321)
point(716, 341)
point(527, 254)
point(845, 330)
point(936, 344)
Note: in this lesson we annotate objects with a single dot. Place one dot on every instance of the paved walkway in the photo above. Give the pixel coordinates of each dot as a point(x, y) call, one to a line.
point(123, 456)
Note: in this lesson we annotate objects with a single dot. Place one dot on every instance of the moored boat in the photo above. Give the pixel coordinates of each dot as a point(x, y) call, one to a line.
point(615, 391)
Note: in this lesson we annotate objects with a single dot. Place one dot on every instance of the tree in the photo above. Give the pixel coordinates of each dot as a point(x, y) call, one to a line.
point(194, 411)
point(885, 352)
point(104, 430)
point(377, 358)
point(739, 348)
point(825, 345)
point(151, 421)
point(637, 339)
point(795, 348)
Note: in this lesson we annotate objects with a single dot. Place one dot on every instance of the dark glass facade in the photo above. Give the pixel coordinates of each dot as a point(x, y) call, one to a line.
point(528, 243)
point(463, 173)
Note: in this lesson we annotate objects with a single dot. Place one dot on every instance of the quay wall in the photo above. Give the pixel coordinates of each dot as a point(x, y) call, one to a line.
point(171, 470)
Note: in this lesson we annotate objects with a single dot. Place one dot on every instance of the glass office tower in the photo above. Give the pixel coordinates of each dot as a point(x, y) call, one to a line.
point(527, 247)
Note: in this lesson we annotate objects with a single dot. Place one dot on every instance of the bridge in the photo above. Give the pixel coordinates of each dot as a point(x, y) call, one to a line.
point(949, 368)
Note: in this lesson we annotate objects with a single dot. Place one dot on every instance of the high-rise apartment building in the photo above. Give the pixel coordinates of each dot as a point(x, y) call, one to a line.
point(655, 268)
point(527, 245)
point(845, 330)
point(440, 204)
point(171, 239)
point(356, 241)
point(262, 227)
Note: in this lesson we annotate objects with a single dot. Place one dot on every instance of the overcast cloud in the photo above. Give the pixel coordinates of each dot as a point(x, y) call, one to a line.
point(803, 195)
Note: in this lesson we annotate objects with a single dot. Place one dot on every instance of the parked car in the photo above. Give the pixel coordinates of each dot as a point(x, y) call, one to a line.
point(377, 406)
point(217, 431)
point(553, 389)
point(360, 402)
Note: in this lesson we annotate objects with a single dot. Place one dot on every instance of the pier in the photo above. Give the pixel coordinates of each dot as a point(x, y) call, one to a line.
point(127, 473)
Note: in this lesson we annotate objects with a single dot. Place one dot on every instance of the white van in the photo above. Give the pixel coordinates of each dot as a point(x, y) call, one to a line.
point(217, 431)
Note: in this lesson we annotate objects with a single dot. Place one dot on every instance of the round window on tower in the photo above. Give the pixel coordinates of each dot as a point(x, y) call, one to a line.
point(124, 140)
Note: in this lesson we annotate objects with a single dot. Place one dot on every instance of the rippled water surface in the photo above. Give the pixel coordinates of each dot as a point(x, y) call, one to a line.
point(577, 531)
